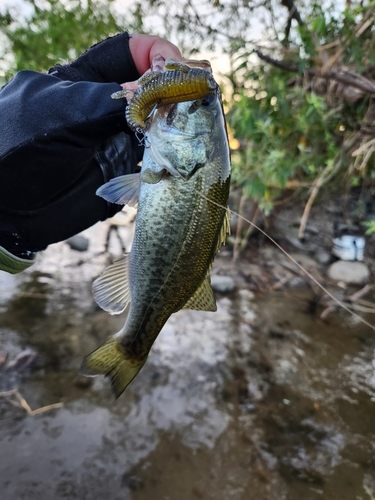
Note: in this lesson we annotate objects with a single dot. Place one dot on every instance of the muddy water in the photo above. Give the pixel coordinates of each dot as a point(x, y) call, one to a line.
point(260, 400)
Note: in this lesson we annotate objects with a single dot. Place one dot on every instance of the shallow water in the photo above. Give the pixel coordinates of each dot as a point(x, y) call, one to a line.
point(259, 400)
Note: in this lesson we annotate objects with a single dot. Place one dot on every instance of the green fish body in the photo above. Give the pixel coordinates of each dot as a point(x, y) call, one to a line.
point(181, 223)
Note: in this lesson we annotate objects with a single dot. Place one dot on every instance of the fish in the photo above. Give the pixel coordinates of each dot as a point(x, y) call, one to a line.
point(182, 221)
point(176, 83)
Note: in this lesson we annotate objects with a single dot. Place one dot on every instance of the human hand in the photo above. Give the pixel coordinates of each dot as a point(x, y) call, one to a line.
point(144, 48)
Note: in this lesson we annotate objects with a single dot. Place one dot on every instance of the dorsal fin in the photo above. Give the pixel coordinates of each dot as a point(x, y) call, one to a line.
point(111, 289)
point(225, 230)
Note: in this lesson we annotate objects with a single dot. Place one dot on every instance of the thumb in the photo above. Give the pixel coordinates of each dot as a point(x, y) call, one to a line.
point(144, 48)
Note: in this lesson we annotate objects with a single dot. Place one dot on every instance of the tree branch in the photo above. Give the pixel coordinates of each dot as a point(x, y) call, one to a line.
point(275, 62)
point(343, 76)
point(293, 12)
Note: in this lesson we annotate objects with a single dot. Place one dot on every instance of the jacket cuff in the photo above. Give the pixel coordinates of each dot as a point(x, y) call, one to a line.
point(108, 61)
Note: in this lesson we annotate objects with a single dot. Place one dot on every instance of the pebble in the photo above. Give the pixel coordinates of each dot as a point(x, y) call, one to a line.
point(246, 294)
point(349, 272)
point(304, 261)
point(222, 284)
point(23, 360)
point(322, 256)
point(82, 382)
point(296, 282)
point(78, 242)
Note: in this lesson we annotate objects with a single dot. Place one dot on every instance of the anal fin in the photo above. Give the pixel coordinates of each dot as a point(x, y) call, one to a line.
point(203, 299)
point(111, 289)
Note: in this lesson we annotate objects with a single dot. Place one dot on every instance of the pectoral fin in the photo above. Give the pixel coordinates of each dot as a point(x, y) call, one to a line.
point(111, 289)
point(123, 190)
point(203, 299)
point(151, 177)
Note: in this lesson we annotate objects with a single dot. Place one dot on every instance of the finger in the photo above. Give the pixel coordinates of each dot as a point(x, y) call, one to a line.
point(144, 47)
point(166, 49)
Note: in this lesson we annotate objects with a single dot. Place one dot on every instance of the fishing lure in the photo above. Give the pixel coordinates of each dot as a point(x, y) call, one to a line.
point(180, 82)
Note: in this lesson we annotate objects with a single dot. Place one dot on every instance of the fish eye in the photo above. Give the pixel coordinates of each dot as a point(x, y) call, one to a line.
point(208, 100)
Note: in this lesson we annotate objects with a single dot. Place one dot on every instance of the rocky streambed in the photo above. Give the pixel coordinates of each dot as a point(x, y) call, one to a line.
point(264, 399)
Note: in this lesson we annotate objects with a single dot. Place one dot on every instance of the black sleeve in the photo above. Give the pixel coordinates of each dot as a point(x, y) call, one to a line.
point(108, 61)
point(49, 130)
point(52, 125)
point(61, 137)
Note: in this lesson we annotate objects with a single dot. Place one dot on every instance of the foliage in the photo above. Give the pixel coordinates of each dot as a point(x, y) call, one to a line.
point(370, 227)
point(54, 31)
point(298, 89)
point(295, 126)
point(287, 134)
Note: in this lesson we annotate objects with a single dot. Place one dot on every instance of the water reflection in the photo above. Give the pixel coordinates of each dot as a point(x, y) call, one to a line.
point(259, 400)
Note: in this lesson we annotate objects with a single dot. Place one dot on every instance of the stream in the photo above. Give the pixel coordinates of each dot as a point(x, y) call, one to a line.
point(261, 400)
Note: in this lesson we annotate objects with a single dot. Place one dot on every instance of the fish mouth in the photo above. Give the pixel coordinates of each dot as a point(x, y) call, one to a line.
point(180, 133)
point(176, 131)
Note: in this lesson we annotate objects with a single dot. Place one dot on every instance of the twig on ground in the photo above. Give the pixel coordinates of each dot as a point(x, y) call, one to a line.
point(8, 393)
point(327, 311)
point(22, 403)
point(280, 283)
point(3, 358)
point(360, 293)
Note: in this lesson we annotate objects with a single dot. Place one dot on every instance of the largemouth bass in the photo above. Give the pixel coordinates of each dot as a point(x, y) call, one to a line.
point(178, 232)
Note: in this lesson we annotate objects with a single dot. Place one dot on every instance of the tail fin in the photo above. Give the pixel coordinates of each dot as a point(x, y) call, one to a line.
point(110, 360)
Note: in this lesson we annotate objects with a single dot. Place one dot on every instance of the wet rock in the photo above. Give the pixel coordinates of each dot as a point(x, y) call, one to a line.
point(82, 382)
point(13, 368)
point(322, 256)
point(132, 483)
point(305, 261)
point(78, 242)
point(351, 273)
point(222, 284)
point(319, 449)
point(251, 270)
point(296, 242)
point(284, 333)
point(3, 356)
point(246, 294)
point(23, 360)
point(312, 229)
point(296, 282)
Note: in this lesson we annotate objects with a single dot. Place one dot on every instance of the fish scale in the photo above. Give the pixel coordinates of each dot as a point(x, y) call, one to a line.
point(158, 291)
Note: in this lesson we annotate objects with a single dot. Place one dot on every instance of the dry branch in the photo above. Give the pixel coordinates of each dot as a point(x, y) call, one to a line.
point(330, 171)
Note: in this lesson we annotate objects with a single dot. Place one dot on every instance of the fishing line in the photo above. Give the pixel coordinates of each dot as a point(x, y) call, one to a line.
point(314, 280)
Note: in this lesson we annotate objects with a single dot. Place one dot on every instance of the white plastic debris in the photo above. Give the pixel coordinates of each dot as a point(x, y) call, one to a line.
point(349, 247)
